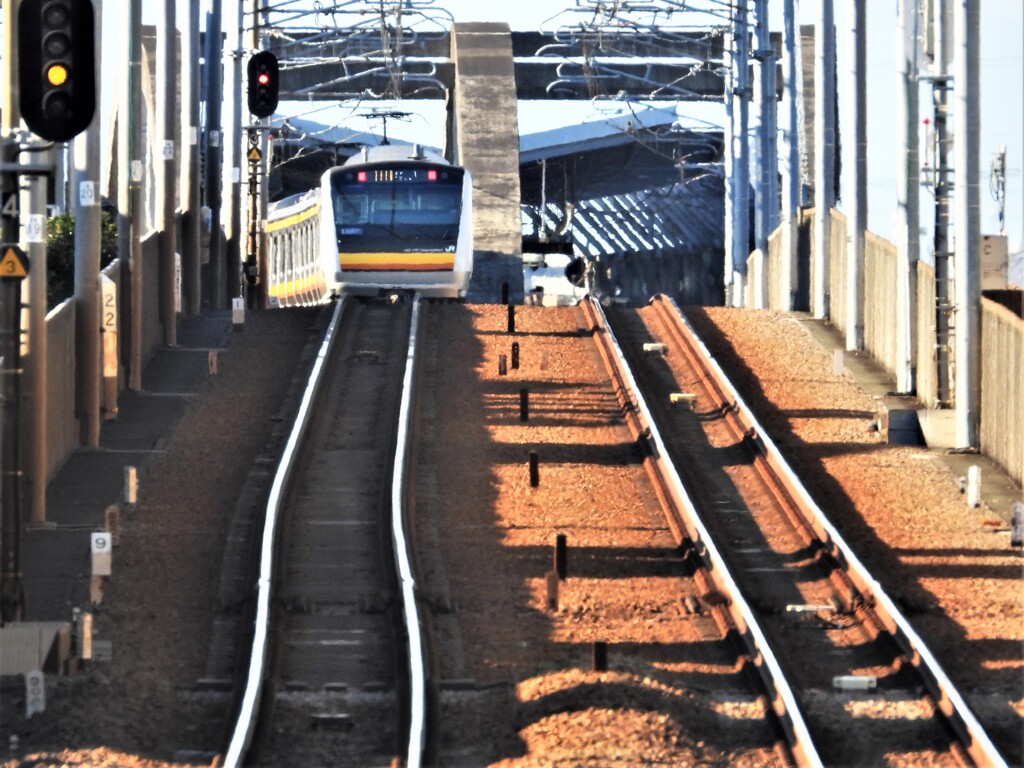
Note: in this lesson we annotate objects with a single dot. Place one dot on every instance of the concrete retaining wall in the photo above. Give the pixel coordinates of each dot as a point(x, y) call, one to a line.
point(927, 378)
point(62, 425)
point(837, 272)
point(880, 300)
point(62, 428)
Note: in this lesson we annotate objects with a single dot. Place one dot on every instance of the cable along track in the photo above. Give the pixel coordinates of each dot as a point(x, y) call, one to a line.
point(331, 680)
point(868, 687)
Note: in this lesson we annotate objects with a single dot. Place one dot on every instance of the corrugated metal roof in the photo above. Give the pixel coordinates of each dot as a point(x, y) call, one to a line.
point(665, 240)
point(683, 217)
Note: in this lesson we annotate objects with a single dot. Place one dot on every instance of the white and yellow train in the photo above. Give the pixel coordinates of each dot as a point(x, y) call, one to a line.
point(391, 219)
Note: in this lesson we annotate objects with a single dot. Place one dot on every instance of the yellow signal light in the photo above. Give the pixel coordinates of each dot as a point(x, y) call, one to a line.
point(57, 74)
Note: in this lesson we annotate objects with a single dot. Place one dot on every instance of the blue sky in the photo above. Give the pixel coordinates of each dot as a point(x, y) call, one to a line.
point(1002, 92)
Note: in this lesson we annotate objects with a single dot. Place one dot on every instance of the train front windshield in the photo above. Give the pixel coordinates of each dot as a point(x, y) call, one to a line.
point(397, 208)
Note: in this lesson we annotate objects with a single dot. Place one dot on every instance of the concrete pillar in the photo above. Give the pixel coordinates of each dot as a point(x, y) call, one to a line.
point(483, 136)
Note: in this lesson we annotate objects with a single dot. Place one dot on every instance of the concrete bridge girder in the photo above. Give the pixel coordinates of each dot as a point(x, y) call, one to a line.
point(683, 67)
point(534, 79)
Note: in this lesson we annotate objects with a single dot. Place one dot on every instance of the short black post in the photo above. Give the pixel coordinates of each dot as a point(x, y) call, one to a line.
point(600, 656)
point(515, 355)
point(534, 470)
point(524, 405)
point(560, 555)
point(511, 318)
point(504, 293)
point(551, 580)
point(502, 368)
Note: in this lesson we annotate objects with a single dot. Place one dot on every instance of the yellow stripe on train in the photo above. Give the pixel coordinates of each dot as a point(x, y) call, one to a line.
point(296, 287)
point(295, 218)
point(397, 262)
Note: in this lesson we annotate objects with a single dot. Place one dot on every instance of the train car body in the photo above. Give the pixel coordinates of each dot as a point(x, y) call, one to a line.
point(391, 219)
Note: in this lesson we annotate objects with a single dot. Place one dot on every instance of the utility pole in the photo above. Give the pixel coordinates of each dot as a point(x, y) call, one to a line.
point(824, 153)
point(129, 198)
point(941, 41)
point(858, 154)
point(213, 169)
point(88, 222)
point(166, 81)
point(737, 167)
point(791, 173)
point(967, 222)
point(767, 140)
point(191, 287)
point(907, 191)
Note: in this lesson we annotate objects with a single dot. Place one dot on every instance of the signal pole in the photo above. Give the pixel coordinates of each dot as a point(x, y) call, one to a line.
point(11, 595)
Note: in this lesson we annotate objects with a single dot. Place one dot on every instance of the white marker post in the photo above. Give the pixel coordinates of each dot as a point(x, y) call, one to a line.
point(35, 693)
point(974, 486)
point(102, 554)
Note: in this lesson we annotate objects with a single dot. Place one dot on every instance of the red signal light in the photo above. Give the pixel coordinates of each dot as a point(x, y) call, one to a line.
point(431, 175)
point(361, 176)
point(263, 73)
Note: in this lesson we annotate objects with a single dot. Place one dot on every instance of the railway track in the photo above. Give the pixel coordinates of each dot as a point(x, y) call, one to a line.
point(331, 681)
point(620, 654)
point(869, 688)
point(646, 618)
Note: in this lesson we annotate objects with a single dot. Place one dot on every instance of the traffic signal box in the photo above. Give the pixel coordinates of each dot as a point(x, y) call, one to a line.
point(263, 82)
point(56, 66)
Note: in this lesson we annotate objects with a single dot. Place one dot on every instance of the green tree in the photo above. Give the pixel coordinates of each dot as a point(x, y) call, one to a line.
point(60, 254)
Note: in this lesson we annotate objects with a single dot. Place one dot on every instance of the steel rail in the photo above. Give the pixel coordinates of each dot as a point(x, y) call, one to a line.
point(406, 576)
point(948, 699)
point(249, 711)
point(783, 700)
point(245, 724)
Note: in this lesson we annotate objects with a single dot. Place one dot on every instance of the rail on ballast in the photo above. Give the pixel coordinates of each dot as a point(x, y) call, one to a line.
point(948, 698)
point(783, 699)
point(248, 715)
